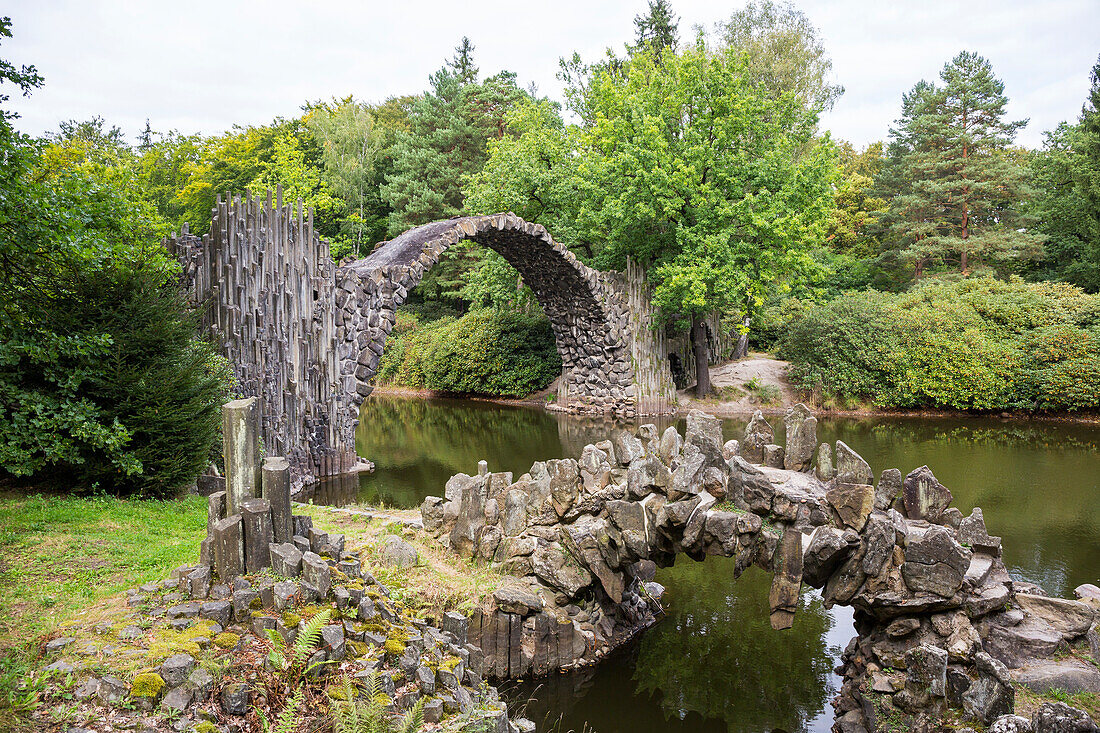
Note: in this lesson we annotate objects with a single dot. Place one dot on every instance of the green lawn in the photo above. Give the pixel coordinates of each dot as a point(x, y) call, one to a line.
point(59, 555)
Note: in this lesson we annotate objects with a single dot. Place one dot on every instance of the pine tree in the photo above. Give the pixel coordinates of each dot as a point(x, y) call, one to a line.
point(1087, 179)
point(446, 141)
point(145, 140)
point(657, 29)
point(960, 189)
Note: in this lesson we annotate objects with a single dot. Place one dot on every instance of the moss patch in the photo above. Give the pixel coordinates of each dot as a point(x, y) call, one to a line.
point(148, 685)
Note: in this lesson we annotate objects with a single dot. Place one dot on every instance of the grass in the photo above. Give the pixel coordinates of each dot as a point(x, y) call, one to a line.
point(59, 555)
point(1028, 700)
point(440, 581)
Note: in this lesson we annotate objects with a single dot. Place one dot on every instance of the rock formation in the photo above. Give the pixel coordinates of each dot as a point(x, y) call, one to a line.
point(941, 623)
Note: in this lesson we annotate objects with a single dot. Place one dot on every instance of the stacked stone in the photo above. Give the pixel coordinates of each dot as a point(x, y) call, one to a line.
point(588, 311)
point(411, 658)
point(582, 537)
point(268, 286)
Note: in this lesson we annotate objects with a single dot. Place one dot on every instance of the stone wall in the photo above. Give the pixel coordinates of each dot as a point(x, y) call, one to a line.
point(267, 287)
point(941, 623)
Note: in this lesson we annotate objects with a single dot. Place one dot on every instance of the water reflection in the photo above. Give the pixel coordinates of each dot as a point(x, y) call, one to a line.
point(714, 664)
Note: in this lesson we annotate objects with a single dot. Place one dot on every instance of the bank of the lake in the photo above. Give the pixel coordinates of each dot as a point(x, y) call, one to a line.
point(713, 663)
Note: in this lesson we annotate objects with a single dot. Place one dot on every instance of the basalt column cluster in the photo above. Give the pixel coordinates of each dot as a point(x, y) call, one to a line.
point(942, 625)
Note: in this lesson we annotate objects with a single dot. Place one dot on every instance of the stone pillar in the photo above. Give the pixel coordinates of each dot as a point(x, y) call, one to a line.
point(787, 580)
point(228, 548)
point(256, 517)
point(241, 447)
point(276, 489)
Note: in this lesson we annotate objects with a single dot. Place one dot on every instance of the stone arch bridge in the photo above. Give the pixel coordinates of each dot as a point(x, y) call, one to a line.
point(941, 623)
point(305, 334)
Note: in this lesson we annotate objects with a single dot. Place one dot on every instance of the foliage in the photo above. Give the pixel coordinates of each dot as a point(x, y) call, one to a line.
point(101, 381)
point(698, 177)
point(445, 141)
point(784, 51)
point(657, 29)
point(956, 187)
point(980, 344)
point(853, 222)
point(486, 351)
point(1067, 174)
point(351, 144)
point(287, 720)
point(369, 715)
point(292, 661)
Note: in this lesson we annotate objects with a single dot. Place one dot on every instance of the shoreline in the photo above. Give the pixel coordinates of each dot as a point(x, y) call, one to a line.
point(735, 409)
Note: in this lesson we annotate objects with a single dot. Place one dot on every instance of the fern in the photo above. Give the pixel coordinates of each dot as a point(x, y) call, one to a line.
point(287, 720)
point(414, 719)
point(354, 715)
point(308, 637)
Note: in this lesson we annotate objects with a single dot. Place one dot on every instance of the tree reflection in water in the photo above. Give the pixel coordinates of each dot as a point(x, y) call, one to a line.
point(713, 664)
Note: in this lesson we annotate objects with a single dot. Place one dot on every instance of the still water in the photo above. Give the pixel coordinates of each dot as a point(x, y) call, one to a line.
point(713, 663)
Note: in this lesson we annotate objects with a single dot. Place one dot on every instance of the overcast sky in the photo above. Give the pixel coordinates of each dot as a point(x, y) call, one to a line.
point(203, 66)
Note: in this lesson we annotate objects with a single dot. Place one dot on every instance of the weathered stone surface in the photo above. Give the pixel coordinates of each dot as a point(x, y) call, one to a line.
point(286, 560)
point(786, 579)
point(1020, 644)
point(316, 572)
point(431, 514)
point(234, 698)
point(758, 433)
point(241, 449)
point(515, 596)
point(850, 466)
point(923, 497)
point(972, 532)
point(671, 444)
point(1069, 675)
point(1057, 717)
point(1010, 724)
point(276, 489)
point(560, 570)
point(773, 456)
point(852, 502)
point(934, 562)
point(824, 468)
point(628, 447)
point(801, 433)
point(175, 669)
point(647, 475)
point(687, 479)
point(1069, 618)
point(229, 548)
point(398, 553)
point(888, 489)
point(258, 535)
point(705, 433)
point(991, 695)
point(926, 672)
point(879, 537)
point(469, 509)
point(827, 549)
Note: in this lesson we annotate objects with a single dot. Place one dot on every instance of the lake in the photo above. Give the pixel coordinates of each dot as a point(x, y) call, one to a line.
point(713, 663)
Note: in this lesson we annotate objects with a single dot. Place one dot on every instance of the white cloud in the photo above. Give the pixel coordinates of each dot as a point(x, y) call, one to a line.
point(204, 66)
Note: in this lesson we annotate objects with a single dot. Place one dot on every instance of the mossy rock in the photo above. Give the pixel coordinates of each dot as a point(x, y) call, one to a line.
point(394, 647)
point(291, 620)
point(226, 640)
point(449, 663)
point(337, 692)
point(256, 603)
point(205, 727)
point(147, 685)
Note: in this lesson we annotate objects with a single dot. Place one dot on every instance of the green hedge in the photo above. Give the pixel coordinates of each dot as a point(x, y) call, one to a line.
point(485, 352)
point(974, 344)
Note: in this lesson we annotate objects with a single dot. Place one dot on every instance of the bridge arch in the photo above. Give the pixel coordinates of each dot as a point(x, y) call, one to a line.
point(305, 335)
point(588, 313)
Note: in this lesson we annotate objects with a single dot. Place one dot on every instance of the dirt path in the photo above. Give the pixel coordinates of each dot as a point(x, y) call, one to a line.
point(757, 382)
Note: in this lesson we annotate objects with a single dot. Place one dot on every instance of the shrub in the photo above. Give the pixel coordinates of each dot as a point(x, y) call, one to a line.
point(486, 351)
point(973, 344)
point(109, 388)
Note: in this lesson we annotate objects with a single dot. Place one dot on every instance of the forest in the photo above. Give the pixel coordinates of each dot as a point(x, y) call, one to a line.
point(699, 155)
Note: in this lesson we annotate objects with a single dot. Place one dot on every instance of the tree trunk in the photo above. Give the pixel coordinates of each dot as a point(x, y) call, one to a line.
point(699, 346)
